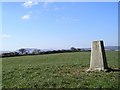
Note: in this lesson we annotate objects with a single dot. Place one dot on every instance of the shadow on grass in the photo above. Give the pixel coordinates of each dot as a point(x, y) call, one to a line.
point(113, 70)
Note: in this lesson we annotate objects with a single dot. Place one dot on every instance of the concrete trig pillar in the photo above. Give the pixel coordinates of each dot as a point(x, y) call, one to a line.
point(98, 57)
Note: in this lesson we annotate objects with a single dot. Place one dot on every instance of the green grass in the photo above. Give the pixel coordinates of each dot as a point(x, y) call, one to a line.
point(63, 70)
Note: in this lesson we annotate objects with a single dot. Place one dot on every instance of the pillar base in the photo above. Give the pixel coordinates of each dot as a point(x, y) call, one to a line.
point(98, 69)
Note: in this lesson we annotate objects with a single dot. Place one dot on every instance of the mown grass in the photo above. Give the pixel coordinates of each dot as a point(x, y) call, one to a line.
point(63, 70)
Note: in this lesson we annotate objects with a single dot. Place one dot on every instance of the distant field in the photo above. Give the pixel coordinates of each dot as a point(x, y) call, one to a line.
point(63, 70)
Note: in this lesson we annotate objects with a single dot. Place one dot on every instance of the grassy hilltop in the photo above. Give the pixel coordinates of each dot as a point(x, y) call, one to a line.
point(63, 70)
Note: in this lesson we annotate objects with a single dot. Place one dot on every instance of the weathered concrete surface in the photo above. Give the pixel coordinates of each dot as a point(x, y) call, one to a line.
point(98, 57)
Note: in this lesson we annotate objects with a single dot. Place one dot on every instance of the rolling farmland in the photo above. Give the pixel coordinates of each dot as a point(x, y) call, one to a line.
point(62, 70)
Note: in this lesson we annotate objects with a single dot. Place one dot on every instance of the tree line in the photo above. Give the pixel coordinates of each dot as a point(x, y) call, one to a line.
point(23, 52)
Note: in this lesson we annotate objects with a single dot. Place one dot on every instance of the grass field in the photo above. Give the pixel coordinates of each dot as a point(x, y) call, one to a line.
point(63, 70)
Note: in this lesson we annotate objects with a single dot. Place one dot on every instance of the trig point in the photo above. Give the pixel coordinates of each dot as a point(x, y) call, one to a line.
point(98, 57)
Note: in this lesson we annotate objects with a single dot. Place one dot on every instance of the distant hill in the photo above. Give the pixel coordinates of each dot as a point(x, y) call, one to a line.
point(109, 48)
point(5, 52)
point(114, 48)
point(30, 50)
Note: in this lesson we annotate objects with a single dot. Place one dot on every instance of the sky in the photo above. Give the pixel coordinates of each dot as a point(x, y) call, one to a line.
point(58, 25)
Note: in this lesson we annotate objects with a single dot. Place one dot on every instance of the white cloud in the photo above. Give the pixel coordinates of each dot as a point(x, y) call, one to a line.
point(64, 19)
point(47, 2)
point(29, 4)
point(61, 19)
point(76, 20)
point(45, 5)
point(30, 12)
point(50, 0)
point(26, 17)
point(56, 8)
point(35, 3)
point(5, 36)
